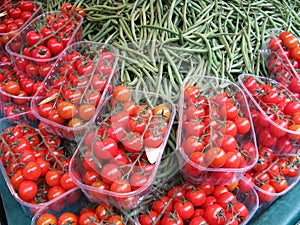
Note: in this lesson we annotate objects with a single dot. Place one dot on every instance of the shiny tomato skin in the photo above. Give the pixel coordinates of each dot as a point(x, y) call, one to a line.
point(67, 218)
point(27, 190)
point(47, 219)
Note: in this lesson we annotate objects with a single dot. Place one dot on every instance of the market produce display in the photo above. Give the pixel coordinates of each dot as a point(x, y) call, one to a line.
point(35, 163)
point(272, 176)
point(215, 135)
point(275, 112)
point(15, 17)
point(282, 56)
point(74, 208)
point(117, 160)
point(82, 77)
point(37, 46)
point(16, 91)
point(122, 101)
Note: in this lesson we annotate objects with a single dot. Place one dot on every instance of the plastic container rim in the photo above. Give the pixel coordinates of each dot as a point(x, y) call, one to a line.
point(211, 169)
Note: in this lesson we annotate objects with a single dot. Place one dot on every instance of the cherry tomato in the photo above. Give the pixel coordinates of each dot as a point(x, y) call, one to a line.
point(27, 190)
point(86, 111)
point(216, 157)
point(275, 43)
point(66, 110)
point(213, 214)
point(149, 219)
point(46, 219)
point(67, 218)
point(121, 93)
point(32, 171)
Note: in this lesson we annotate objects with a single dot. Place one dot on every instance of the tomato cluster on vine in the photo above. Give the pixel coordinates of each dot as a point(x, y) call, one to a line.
point(36, 163)
point(16, 90)
point(196, 205)
point(277, 122)
point(35, 49)
point(214, 132)
point(285, 59)
point(73, 92)
point(271, 175)
point(16, 16)
point(89, 215)
point(115, 151)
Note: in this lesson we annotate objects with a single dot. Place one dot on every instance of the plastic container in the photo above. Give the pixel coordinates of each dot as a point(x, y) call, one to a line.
point(25, 156)
point(282, 138)
point(6, 36)
point(26, 63)
point(202, 131)
point(73, 202)
point(249, 199)
point(266, 196)
point(10, 103)
point(280, 63)
point(95, 75)
point(128, 160)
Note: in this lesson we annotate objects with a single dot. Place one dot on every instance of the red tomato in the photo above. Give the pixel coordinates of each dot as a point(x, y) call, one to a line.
point(55, 45)
point(267, 193)
point(185, 209)
point(53, 177)
point(88, 218)
point(66, 110)
point(216, 157)
point(32, 171)
point(55, 192)
point(275, 43)
point(279, 182)
point(104, 211)
point(149, 219)
point(67, 182)
point(67, 218)
point(105, 148)
point(133, 142)
point(226, 200)
point(86, 111)
point(196, 197)
point(171, 219)
point(46, 219)
point(159, 205)
point(213, 214)
point(121, 93)
point(27, 190)
point(110, 173)
point(120, 186)
point(137, 180)
point(199, 220)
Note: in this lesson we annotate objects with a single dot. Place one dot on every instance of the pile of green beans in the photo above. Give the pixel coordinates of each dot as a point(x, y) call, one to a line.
point(163, 41)
point(222, 37)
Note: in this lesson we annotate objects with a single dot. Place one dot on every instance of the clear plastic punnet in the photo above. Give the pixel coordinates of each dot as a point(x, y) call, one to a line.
point(274, 111)
point(30, 158)
point(178, 192)
point(28, 16)
point(34, 49)
point(215, 135)
point(282, 61)
point(124, 147)
point(74, 207)
point(75, 88)
point(278, 178)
